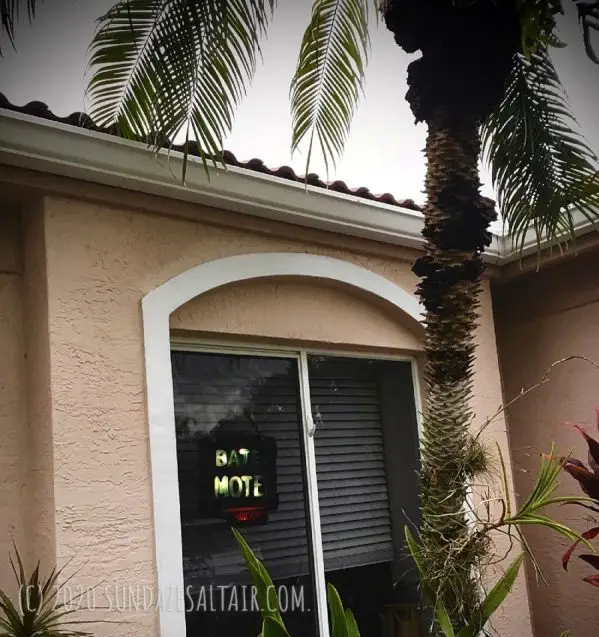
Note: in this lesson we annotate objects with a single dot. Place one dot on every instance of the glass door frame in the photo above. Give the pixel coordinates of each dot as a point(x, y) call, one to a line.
point(308, 429)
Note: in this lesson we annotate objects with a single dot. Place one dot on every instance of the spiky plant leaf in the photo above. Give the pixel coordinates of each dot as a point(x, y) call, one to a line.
point(272, 628)
point(10, 11)
point(540, 497)
point(329, 75)
point(38, 610)
point(164, 67)
point(265, 590)
point(542, 169)
point(493, 600)
point(337, 613)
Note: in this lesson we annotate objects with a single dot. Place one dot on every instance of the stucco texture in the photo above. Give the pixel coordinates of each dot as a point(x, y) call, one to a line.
point(26, 472)
point(543, 317)
point(99, 262)
point(13, 469)
point(297, 310)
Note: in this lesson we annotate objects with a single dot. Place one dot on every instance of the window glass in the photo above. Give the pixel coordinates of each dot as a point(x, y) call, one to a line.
point(366, 459)
point(241, 462)
point(234, 415)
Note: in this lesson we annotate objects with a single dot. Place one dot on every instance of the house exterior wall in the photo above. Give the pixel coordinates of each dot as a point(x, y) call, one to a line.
point(542, 317)
point(87, 267)
point(13, 472)
point(297, 310)
point(26, 473)
point(40, 504)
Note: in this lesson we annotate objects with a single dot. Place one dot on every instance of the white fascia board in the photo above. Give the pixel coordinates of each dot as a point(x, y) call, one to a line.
point(60, 149)
point(56, 148)
point(510, 252)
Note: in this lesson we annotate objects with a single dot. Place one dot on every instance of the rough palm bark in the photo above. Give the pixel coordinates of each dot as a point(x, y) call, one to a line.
point(450, 280)
point(467, 52)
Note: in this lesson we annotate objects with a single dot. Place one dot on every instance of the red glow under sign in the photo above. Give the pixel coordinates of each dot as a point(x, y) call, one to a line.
point(248, 515)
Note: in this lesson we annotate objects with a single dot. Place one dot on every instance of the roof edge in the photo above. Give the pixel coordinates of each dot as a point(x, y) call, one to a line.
point(61, 149)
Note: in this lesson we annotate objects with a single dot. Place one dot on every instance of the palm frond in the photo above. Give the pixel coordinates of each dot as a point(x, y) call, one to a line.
point(330, 71)
point(542, 170)
point(588, 17)
point(164, 67)
point(9, 16)
point(537, 24)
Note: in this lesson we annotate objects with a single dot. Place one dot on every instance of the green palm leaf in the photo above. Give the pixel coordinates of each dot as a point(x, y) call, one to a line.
point(541, 168)
point(588, 16)
point(329, 75)
point(165, 67)
point(9, 16)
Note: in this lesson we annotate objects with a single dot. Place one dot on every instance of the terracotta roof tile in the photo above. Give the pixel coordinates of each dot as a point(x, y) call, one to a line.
point(81, 120)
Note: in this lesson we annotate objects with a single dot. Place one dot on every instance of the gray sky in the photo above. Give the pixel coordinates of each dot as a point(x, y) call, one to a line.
point(384, 151)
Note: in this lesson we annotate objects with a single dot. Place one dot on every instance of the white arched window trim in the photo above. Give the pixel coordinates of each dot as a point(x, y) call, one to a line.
point(157, 306)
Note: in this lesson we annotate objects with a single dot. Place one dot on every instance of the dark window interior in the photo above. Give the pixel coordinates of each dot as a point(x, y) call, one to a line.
point(366, 458)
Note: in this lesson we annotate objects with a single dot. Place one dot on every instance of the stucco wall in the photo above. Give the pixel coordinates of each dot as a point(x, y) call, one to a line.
point(13, 455)
point(39, 456)
point(100, 262)
point(512, 619)
point(26, 472)
point(297, 310)
point(541, 318)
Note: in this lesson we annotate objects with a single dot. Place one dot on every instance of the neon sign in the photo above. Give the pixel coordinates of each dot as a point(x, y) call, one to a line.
point(238, 477)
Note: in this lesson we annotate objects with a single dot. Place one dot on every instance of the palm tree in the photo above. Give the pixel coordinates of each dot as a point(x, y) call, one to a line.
point(485, 79)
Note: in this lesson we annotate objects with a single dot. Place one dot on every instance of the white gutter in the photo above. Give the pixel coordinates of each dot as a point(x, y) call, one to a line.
point(59, 149)
point(509, 252)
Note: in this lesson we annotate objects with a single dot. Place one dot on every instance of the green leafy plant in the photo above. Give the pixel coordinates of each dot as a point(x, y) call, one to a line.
point(38, 610)
point(343, 622)
point(487, 607)
point(530, 512)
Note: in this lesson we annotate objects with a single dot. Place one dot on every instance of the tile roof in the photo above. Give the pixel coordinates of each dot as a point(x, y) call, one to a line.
point(81, 120)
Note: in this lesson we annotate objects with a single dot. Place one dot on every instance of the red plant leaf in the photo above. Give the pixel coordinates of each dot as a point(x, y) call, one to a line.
point(593, 560)
point(593, 580)
point(593, 449)
point(588, 481)
point(574, 461)
point(591, 534)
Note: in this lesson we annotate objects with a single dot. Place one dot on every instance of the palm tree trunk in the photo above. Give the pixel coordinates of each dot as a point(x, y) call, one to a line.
point(456, 232)
point(467, 50)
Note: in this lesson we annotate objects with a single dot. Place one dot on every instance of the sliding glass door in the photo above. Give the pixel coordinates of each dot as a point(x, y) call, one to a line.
point(314, 459)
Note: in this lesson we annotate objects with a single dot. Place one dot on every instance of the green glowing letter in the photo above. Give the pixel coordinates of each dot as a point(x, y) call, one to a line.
point(221, 458)
point(221, 486)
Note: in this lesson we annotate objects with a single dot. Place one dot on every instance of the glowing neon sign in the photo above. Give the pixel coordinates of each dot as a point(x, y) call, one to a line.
point(238, 477)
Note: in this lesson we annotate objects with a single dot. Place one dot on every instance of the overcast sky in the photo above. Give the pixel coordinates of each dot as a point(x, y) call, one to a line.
point(384, 151)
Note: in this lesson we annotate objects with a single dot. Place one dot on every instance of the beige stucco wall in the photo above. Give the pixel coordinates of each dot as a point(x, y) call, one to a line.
point(512, 619)
point(13, 471)
point(541, 318)
point(298, 310)
point(92, 488)
point(26, 473)
point(38, 391)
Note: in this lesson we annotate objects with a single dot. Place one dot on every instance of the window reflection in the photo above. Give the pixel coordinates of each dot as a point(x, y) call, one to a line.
point(241, 461)
point(240, 398)
point(366, 461)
